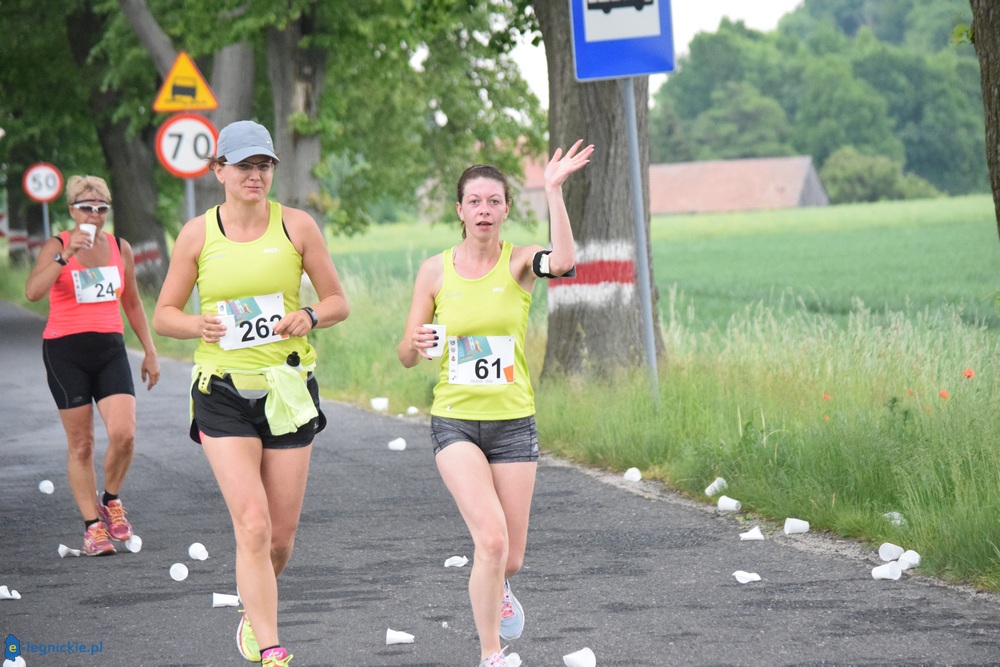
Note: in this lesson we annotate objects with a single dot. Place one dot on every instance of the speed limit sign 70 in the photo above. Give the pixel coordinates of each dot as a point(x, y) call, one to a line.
point(183, 144)
point(42, 182)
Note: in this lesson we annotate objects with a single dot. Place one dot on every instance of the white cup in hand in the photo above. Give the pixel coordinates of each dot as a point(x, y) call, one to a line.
point(90, 230)
point(440, 343)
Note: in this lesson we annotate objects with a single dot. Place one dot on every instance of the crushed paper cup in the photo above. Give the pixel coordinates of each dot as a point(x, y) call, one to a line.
point(46, 486)
point(178, 572)
point(582, 658)
point(197, 551)
point(397, 637)
point(727, 504)
point(66, 551)
point(412, 411)
point(895, 518)
point(397, 445)
point(513, 660)
point(889, 551)
point(456, 561)
point(910, 558)
point(134, 544)
point(380, 403)
point(715, 487)
point(796, 526)
point(225, 600)
point(746, 577)
point(632, 475)
point(890, 570)
point(752, 534)
point(8, 594)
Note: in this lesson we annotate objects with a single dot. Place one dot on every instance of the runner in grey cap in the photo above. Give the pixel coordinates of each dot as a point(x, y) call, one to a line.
point(244, 139)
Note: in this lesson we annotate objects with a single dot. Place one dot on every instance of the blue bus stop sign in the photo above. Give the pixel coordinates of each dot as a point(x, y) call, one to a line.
point(621, 38)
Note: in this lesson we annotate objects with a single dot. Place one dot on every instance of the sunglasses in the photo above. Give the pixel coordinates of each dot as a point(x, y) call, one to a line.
point(88, 209)
point(262, 167)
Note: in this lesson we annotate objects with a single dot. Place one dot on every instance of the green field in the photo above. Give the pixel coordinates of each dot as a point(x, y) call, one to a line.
point(832, 364)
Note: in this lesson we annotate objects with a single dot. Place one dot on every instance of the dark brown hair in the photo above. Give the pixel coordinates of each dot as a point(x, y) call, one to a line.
point(482, 171)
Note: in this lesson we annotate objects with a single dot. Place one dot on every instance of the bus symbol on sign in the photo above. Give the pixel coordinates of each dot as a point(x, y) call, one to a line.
point(607, 5)
point(184, 86)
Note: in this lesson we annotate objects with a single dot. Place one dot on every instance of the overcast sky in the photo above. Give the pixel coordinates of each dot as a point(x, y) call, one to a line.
point(689, 17)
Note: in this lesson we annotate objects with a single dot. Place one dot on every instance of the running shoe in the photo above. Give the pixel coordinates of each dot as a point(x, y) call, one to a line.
point(277, 657)
point(246, 640)
point(113, 514)
point(496, 660)
point(511, 615)
point(96, 542)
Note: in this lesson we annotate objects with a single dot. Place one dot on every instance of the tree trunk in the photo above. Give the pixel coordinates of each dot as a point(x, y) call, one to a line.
point(595, 319)
point(296, 74)
point(986, 38)
point(130, 157)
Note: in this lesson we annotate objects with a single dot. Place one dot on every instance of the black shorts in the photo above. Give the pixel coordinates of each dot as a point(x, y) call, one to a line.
point(502, 441)
point(86, 367)
point(224, 413)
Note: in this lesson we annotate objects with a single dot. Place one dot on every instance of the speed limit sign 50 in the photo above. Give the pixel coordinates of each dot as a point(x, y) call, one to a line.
point(183, 144)
point(42, 182)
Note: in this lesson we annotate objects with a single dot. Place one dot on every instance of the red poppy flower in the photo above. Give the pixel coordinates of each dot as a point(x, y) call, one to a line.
point(969, 373)
point(943, 394)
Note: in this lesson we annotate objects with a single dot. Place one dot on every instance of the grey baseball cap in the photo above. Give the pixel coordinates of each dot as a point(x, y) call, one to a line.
point(243, 139)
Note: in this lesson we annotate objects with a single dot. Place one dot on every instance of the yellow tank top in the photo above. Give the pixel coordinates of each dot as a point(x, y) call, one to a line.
point(233, 273)
point(482, 316)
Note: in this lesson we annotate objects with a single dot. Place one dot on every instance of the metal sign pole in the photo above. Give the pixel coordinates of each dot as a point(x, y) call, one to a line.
point(45, 222)
point(641, 251)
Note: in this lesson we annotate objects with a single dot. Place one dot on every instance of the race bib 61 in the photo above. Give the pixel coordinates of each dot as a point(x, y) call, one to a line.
point(481, 359)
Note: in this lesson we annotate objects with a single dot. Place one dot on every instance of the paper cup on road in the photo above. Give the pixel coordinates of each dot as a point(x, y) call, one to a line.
point(514, 660)
point(752, 534)
point(90, 230)
point(746, 577)
point(380, 403)
point(727, 504)
point(908, 559)
point(632, 475)
point(197, 551)
point(796, 526)
point(442, 340)
point(890, 570)
point(224, 600)
point(456, 561)
point(178, 572)
point(397, 445)
point(715, 487)
point(134, 544)
point(397, 637)
point(7, 594)
point(582, 658)
point(66, 551)
point(889, 551)
point(412, 411)
point(46, 486)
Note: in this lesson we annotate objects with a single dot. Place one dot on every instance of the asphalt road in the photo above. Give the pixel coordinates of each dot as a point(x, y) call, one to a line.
point(640, 575)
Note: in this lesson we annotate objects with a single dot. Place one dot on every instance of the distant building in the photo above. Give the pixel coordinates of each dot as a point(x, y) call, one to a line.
point(711, 186)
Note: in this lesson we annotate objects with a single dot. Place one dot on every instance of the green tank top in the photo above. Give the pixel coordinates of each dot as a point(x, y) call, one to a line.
point(484, 374)
point(241, 277)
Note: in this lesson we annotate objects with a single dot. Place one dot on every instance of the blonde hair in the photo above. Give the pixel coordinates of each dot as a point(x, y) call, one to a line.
point(77, 185)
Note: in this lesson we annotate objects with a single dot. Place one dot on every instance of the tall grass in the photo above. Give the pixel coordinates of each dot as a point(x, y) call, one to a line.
point(817, 359)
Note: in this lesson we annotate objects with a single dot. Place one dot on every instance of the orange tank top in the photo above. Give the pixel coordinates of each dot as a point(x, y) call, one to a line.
point(87, 299)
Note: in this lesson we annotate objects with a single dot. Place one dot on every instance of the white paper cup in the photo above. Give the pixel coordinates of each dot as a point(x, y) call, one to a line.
point(908, 559)
point(397, 637)
point(46, 486)
point(715, 487)
point(442, 342)
point(890, 570)
point(224, 600)
point(380, 403)
point(727, 504)
point(5, 594)
point(90, 230)
point(796, 526)
point(746, 577)
point(397, 445)
point(178, 572)
point(889, 551)
point(412, 411)
point(582, 658)
point(456, 561)
point(197, 551)
point(752, 534)
point(66, 551)
point(134, 544)
point(632, 475)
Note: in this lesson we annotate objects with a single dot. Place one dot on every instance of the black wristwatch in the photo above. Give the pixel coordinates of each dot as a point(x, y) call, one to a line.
point(59, 259)
point(312, 315)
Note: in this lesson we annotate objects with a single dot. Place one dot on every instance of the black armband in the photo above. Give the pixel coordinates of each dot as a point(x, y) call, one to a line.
point(312, 315)
point(540, 266)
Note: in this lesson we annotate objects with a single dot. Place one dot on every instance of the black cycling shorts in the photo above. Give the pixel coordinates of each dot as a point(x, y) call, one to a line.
point(86, 367)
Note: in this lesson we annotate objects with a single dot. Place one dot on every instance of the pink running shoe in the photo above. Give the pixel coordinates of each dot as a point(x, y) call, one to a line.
point(96, 542)
point(113, 514)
